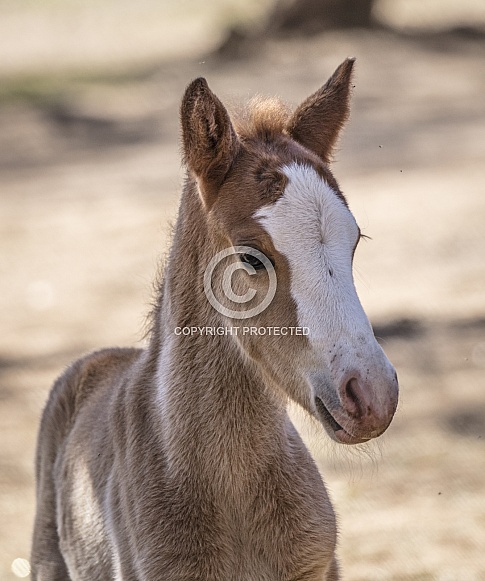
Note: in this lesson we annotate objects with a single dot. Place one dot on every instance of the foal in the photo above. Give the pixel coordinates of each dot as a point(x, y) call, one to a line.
point(179, 462)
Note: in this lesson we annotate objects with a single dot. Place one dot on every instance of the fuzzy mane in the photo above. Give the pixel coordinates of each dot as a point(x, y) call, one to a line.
point(263, 118)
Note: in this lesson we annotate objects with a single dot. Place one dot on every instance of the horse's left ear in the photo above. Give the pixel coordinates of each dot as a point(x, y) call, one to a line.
point(209, 140)
point(317, 122)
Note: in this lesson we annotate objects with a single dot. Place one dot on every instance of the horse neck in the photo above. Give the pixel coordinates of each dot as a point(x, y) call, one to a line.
point(216, 412)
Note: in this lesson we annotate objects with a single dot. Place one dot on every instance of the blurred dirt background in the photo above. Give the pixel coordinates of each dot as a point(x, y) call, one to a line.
point(90, 175)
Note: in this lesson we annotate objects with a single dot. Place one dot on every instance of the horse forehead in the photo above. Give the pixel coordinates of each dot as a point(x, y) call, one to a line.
point(309, 207)
point(257, 180)
point(261, 175)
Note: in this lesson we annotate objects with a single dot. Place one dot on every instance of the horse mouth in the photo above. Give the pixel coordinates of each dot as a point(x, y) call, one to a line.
point(326, 416)
point(335, 430)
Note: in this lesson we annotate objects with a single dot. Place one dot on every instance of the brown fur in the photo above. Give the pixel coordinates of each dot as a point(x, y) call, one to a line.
point(179, 462)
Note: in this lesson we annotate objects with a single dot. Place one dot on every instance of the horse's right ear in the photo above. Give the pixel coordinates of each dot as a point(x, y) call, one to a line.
point(210, 142)
point(317, 122)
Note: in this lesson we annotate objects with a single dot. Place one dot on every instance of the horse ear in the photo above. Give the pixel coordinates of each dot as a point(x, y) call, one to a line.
point(317, 122)
point(210, 142)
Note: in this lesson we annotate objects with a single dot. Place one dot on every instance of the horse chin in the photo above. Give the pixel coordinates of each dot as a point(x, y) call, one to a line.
point(343, 437)
point(333, 428)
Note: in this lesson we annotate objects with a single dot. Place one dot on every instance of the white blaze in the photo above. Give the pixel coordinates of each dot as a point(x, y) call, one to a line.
point(314, 229)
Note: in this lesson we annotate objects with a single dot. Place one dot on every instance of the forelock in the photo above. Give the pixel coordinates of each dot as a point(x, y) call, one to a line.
point(263, 118)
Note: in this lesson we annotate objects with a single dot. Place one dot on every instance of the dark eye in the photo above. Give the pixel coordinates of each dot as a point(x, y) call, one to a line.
point(252, 261)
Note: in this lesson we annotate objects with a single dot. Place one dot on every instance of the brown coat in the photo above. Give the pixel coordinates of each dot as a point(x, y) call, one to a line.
point(179, 462)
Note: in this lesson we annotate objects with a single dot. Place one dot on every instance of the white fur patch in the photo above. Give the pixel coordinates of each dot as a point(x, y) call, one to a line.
point(82, 533)
point(314, 229)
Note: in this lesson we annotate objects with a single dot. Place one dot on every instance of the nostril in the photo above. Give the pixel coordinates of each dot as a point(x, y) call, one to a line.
point(353, 402)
